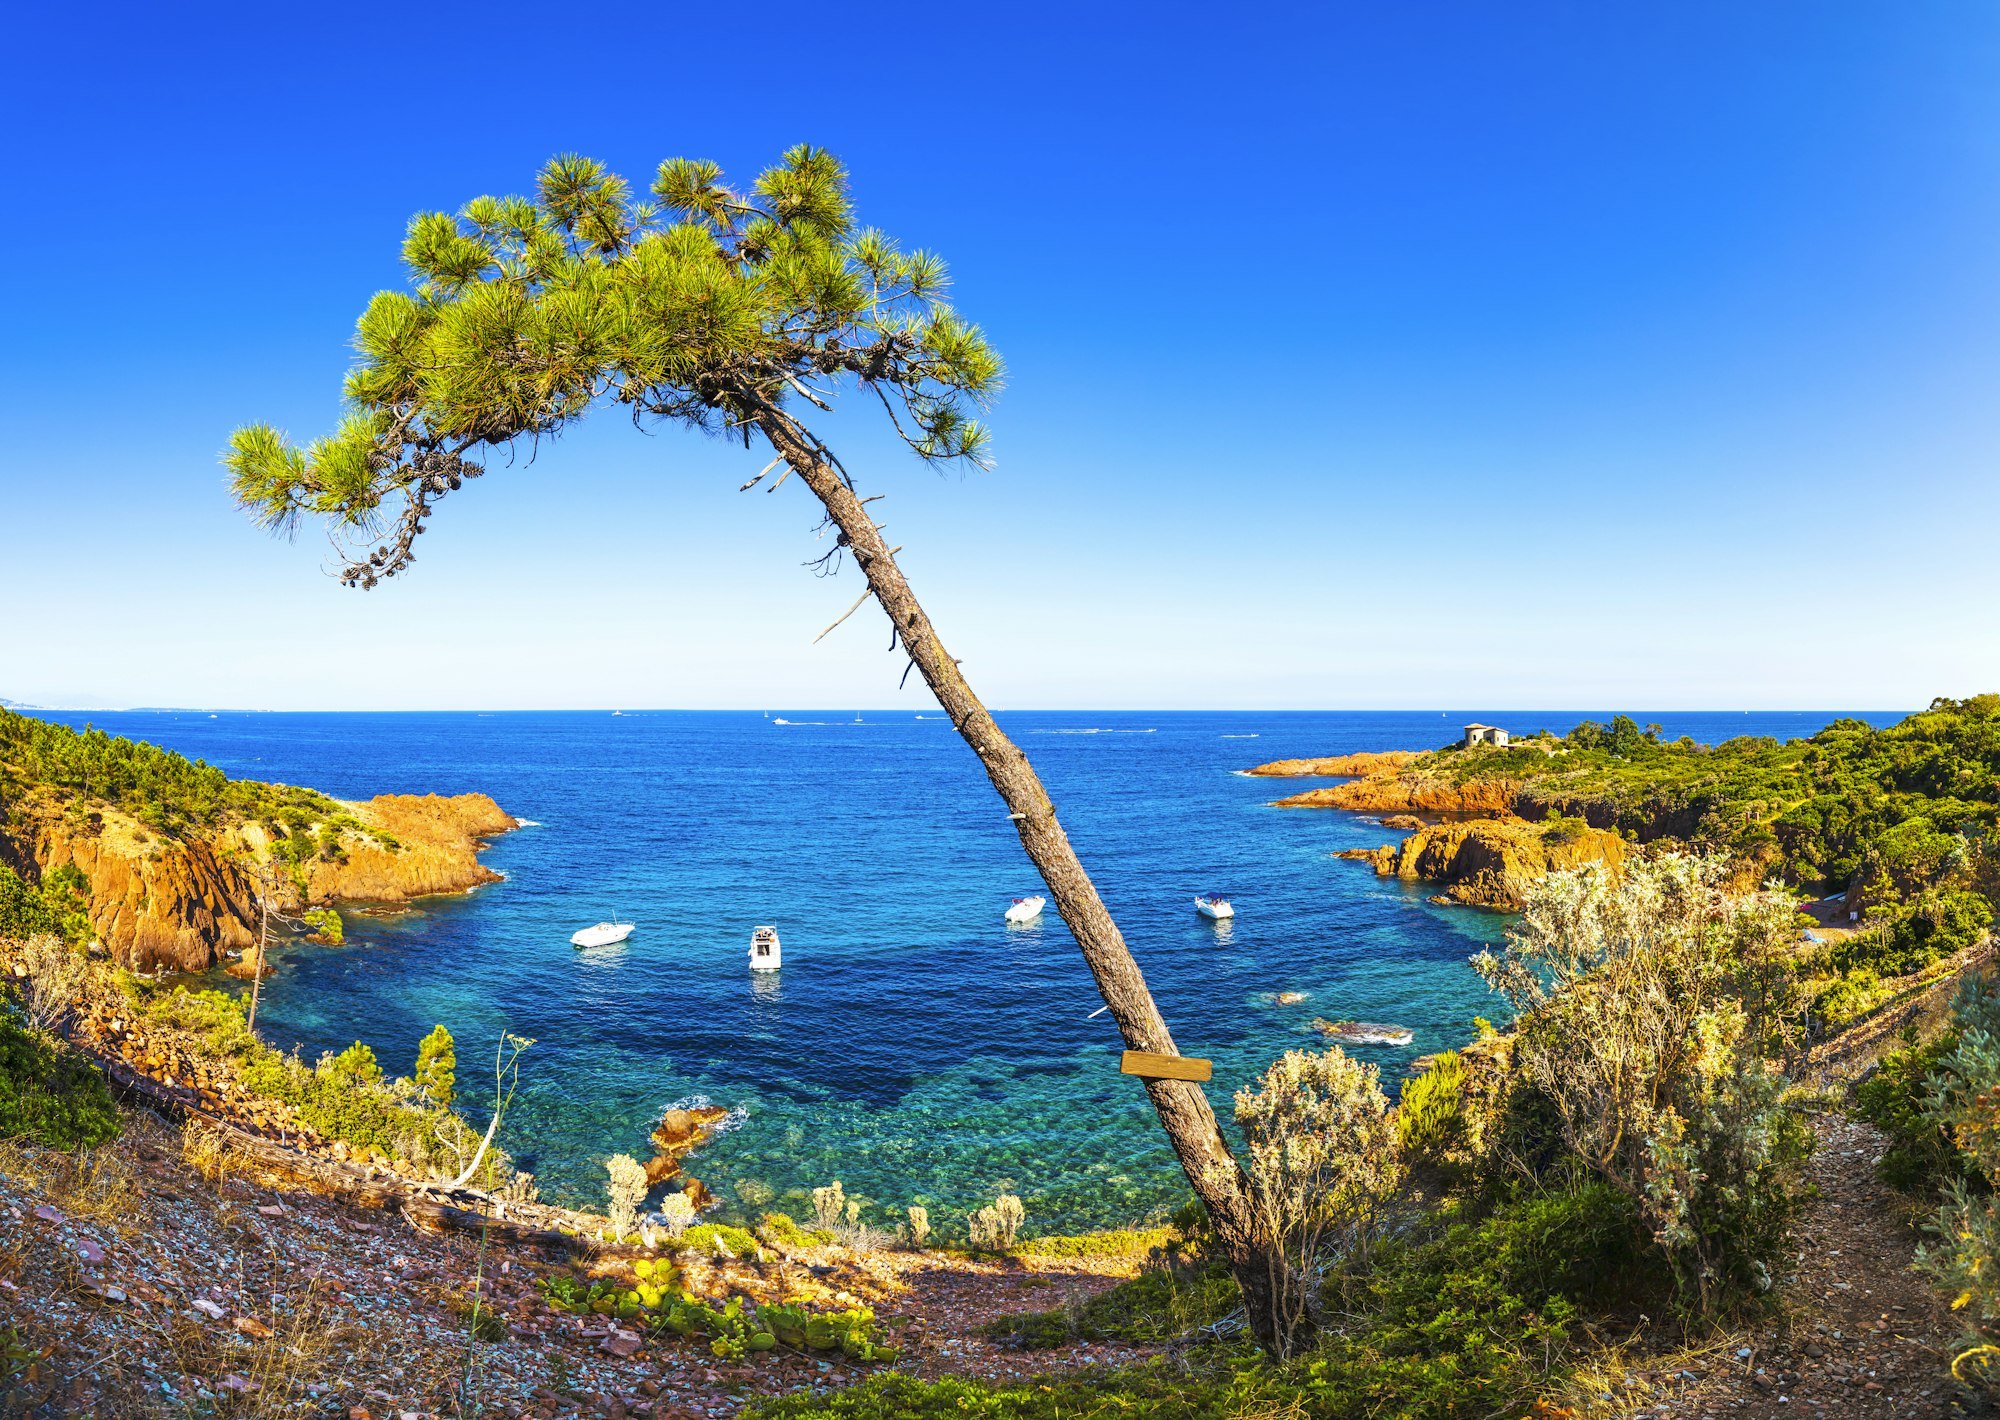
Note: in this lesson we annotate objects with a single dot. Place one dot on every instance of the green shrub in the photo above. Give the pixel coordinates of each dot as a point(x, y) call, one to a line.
point(1896, 1100)
point(436, 1075)
point(57, 908)
point(1153, 1392)
point(215, 1016)
point(1116, 1242)
point(1163, 1303)
point(733, 1331)
point(1432, 1130)
point(1633, 1025)
point(1850, 997)
point(1964, 1101)
point(1936, 925)
point(782, 1231)
point(704, 1238)
point(49, 1093)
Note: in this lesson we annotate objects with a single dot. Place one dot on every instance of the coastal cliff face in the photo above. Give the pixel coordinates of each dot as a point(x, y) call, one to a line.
point(439, 840)
point(1493, 862)
point(1465, 834)
point(1411, 792)
point(1339, 766)
point(159, 903)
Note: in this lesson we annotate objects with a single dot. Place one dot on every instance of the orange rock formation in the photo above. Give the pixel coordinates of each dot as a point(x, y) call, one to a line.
point(180, 904)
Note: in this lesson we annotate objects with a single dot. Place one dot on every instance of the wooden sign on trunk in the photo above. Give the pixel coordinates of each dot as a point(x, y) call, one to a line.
point(1164, 1067)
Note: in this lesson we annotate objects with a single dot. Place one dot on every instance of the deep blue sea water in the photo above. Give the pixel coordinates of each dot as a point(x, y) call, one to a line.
point(913, 1046)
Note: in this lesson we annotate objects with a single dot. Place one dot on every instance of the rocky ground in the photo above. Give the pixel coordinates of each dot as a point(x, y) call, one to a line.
point(154, 1278)
point(1857, 1333)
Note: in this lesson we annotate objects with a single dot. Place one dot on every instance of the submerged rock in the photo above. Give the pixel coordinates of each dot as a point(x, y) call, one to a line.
point(1364, 1032)
point(683, 1127)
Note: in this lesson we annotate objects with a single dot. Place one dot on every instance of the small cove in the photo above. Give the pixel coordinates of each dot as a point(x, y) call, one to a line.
point(914, 1046)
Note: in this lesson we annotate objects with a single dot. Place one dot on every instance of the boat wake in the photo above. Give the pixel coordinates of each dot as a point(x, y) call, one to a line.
point(1094, 731)
point(1250, 736)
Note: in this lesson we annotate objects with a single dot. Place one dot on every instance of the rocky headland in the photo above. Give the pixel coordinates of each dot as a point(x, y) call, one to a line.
point(183, 902)
point(1493, 862)
point(1466, 833)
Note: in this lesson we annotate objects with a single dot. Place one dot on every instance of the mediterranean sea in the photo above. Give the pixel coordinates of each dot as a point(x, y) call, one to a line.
point(914, 1046)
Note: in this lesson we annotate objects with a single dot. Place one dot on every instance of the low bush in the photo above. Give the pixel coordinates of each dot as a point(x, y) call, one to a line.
point(782, 1231)
point(1964, 1100)
point(1635, 1025)
point(1118, 1242)
point(1154, 1392)
point(1896, 1099)
point(738, 1329)
point(345, 1097)
point(1848, 998)
point(56, 908)
point(1160, 1304)
point(1938, 924)
point(50, 1094)
point(705, 1236)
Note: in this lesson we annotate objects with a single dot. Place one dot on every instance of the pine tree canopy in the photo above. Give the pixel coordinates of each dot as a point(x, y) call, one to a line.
point(703, 307)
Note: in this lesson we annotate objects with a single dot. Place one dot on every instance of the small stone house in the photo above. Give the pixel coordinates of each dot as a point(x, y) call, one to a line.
point(1476, 735)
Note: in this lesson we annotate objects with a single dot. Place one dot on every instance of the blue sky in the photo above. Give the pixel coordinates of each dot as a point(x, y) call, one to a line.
point(1523, 356)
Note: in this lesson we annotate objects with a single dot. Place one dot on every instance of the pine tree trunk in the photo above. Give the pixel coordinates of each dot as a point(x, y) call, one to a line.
point(1182, 1105)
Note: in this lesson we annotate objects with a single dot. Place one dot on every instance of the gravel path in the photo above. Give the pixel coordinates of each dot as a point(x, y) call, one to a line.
point(1859, 1334)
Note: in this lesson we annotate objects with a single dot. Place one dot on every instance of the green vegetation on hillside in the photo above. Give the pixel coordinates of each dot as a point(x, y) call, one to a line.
point(1939, 1103)
point(58, 907)
point(50, 1094)
point(345, 1097)
point(168, 792)
point(1899, 819)
point(1891, 811)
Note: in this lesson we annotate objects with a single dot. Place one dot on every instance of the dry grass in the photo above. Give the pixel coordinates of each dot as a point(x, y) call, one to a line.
point(207, 1150)
point(302, 1348)
point(1289, 1408)
point(98, 1185)
point(1613, 1370)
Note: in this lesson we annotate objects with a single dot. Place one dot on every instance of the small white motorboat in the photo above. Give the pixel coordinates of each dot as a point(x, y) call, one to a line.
point(766, 952)
point(1214, 908)
point(1026, 909)
point(602, 935)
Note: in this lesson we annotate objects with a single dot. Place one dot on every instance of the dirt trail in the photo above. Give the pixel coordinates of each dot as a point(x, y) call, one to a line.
point(1859, 1335)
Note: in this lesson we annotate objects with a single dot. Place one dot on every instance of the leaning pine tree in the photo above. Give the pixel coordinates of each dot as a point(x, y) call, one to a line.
point(727, 312)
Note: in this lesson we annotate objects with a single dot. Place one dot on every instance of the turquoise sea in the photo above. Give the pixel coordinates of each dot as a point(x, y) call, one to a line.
point(914, 1046)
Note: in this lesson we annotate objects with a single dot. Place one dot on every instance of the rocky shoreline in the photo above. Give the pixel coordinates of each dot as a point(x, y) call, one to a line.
point(1467, 835)
point(183, 904)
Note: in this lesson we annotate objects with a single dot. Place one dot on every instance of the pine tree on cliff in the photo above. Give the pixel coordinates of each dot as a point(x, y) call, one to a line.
point(728, 312)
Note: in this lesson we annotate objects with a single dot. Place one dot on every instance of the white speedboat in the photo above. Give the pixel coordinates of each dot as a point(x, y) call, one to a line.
point(1026, 909)
point(602, 935)
point(766, 953)
point(1215, 908)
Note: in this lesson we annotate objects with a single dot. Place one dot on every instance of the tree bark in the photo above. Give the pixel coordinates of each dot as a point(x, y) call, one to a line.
point(1182, 1105)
